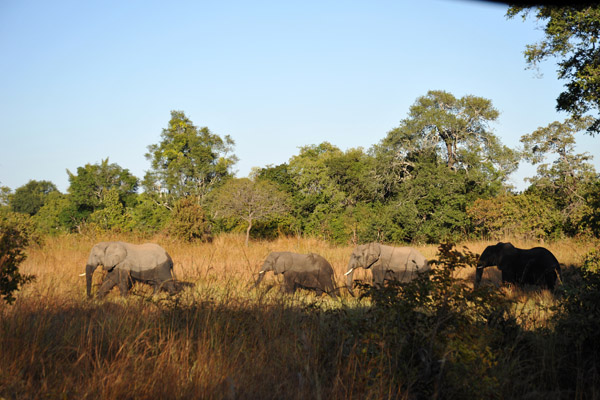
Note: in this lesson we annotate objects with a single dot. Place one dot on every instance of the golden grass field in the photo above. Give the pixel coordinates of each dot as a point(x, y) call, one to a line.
point(216, 340)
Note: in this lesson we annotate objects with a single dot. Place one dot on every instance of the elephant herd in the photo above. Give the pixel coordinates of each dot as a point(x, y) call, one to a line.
point(149, 263)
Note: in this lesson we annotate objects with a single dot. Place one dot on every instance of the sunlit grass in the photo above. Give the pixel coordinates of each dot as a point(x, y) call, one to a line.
point(219, 339)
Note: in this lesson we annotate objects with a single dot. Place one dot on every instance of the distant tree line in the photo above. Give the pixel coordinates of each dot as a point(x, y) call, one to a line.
point(441, 174)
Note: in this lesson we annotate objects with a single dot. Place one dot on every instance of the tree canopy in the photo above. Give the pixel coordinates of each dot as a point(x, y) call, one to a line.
point(571, 36)
point(30, 197)
point(250, 201)
point(188, 161)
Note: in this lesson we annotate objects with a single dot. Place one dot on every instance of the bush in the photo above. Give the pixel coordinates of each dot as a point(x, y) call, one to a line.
point(577, 331)
point(433, 337)
point(15, 235)
point(188, 221)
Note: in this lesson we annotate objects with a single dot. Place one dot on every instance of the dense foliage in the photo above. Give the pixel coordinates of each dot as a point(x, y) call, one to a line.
point(15, 235)
point(441, 174)
point(571, 36)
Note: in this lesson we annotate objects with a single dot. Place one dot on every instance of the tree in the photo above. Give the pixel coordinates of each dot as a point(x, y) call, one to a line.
point(188, 161)
point(112, 214)
point(89, 187)
point(48, 218)
point(566, 178)
point(456, 128)
point(525, 215)
point(5, 193)
point(30, 197)
point(249, 201)
point(571, 36)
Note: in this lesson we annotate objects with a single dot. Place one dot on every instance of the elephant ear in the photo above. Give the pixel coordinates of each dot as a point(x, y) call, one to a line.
point(503, 252)
point(114, 254)
point(278, 264)
point(372, 254)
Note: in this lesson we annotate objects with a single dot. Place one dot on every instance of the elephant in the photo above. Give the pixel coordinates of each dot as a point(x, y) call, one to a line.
point(536, 266)
point(386, 263)
point(128, 263)
point(306, 271)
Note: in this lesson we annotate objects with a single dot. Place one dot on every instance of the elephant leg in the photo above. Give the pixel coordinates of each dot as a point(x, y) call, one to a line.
point(508, 277)
point(551, 276)
point(169, 286)
point(109, 282)
point(289, 283)
point(378, 277)
point(124, 282)
point(328, 288)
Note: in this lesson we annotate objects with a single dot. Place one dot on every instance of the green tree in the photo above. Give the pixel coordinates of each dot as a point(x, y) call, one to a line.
point(564, 180)
point(571, 36)
point(5, 193)
point(48, 218)
point(112, 214)
point(30, 197)
point(250, 201)
point(188, 161)
point(89, 187)
point(525, 215)
point(458, 129)
point(148, 216)
point(440, 159)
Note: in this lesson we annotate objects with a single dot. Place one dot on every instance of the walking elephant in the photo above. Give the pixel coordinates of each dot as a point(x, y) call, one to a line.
point(128, 263)
point(386, 263)
point(536, 266)
point(306, 271)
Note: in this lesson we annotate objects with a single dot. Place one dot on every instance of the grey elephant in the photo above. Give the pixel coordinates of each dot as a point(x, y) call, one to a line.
point(307, 271)
point(128, 263)
point(536, 266)
point(386, 263)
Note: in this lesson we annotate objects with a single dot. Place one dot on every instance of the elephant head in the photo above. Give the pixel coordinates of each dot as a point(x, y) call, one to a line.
point(491, 256)
point(272, 263)
point(364, 256)
point(107, 254)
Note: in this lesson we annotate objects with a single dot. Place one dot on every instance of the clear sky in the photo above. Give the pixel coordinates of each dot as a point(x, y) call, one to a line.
point(81, 81)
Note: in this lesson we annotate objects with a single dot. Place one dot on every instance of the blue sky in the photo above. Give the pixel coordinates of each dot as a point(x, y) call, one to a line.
point(81, 81)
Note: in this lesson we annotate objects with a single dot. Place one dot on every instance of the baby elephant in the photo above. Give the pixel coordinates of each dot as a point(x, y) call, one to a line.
point(128, 263)
point(307, 271)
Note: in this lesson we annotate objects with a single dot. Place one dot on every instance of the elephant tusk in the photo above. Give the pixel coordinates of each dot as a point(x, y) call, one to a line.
point(261, 272)
point(82, 274)
point(350, 270)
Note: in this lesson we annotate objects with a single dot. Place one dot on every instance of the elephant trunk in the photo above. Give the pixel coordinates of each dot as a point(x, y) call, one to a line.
point(349, 281)
point(478, 276)
point(89, 272)
point(261, 275)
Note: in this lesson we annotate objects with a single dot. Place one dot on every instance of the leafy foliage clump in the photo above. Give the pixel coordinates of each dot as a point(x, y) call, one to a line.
point(433, 337)
point(188, 221)
point(577, 330)
point(15, 236)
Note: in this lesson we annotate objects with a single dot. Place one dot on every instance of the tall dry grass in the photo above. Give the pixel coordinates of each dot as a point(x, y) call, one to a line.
point(217, 340)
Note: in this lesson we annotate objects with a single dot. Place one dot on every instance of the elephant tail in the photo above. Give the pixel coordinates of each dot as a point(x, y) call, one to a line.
point(558, 270)
point(171, 264)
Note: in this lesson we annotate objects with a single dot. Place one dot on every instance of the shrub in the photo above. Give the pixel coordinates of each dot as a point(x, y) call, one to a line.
point(188, 221)
point(15, 235)
point(433, 337)
point(577, 331)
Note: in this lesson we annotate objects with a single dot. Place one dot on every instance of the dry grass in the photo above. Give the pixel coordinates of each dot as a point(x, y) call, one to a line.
point(217, 340)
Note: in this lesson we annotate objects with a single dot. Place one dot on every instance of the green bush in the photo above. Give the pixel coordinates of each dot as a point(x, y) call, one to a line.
point(188, 221)
point(433, 337)
point(577, 331)
point(16, 232)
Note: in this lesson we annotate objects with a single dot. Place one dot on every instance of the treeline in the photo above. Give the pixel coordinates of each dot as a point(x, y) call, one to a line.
point(441, 174)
